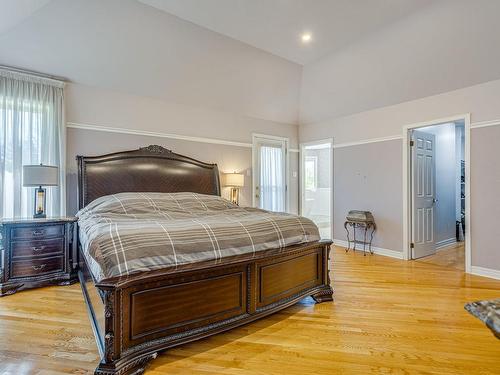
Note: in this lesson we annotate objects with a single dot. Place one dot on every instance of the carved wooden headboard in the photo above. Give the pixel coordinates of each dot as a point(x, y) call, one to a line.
point(148, 169)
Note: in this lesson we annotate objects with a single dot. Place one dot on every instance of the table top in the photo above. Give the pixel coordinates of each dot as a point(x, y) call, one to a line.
point(31, 220)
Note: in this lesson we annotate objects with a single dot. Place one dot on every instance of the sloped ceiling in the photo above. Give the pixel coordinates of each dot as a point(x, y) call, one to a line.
point(276, 25)
point(127, 46)
point(450, 45)
point(13, 12)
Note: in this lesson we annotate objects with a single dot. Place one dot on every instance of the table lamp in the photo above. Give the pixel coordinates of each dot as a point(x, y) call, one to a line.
point(235, 181)
point(38, 176)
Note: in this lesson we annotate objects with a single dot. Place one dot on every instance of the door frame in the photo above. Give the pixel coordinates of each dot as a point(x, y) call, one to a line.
point(255, 138)
point(301, 173)
point(407, 185)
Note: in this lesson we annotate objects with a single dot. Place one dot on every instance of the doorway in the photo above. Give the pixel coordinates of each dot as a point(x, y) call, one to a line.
point(316, 187)
point(437, 192)
point(270, 177)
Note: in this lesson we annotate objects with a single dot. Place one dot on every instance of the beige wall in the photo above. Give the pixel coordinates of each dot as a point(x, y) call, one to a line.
point(228, 158)
point(363, 180)
point(482, 102)
point(120, 111)
point(485, 200)
point(102, 107)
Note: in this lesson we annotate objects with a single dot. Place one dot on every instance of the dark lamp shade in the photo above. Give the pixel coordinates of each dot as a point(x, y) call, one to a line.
point(40, 175)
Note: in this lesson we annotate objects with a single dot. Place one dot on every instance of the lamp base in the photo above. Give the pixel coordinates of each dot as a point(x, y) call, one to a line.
point(234, 196)
point(40, 204)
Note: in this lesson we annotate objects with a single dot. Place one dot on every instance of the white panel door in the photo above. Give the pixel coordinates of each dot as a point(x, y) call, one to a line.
point(423, 194)
point(316, 176)
point(270, 173)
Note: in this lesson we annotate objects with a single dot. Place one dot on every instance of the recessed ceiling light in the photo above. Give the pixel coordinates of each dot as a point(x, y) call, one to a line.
point(306, 37)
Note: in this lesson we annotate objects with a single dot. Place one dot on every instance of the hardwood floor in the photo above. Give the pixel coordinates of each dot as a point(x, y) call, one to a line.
point(389, 317)
point(451, 256)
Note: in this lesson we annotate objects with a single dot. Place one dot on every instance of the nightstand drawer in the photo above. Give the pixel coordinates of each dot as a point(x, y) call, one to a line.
point(38, 248)
point(37, 232)
point(36, 266)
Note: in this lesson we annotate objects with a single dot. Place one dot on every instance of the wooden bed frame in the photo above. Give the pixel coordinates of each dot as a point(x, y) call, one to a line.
point(153, 311)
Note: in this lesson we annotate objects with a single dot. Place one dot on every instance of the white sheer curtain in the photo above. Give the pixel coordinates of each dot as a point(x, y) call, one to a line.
point(272, 194)
point(32, 131)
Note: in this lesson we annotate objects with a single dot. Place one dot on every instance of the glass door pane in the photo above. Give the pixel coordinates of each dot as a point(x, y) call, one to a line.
point(317, 184)
point(270, 176)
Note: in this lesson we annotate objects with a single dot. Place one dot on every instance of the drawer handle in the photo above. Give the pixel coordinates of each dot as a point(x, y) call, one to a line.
point(37, 248)
point(38, 233)
point(38, 268)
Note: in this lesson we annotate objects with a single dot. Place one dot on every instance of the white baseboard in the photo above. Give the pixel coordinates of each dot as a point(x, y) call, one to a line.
point(376, 250)
point(445, 243)
point(485, 272)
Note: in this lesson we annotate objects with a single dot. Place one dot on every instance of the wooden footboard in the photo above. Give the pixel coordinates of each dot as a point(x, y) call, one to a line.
point(145, 315)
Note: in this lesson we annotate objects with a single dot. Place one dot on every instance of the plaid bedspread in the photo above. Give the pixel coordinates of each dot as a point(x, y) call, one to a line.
point(126, 233)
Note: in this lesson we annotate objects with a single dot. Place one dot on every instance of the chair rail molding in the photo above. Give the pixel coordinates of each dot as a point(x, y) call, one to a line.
point(484, 124)
point(112, 129)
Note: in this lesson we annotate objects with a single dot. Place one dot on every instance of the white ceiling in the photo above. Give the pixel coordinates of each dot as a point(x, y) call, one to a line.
point(276, 25)
point(15, 11)
point(130, 47)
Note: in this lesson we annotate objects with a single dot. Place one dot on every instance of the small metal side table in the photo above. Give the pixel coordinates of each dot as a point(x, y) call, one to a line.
point(360, 219)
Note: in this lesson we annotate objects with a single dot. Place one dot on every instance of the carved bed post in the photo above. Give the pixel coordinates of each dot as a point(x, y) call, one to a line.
point(111, 331)
point(112, 362)
point(109, 324)
point(326, 292)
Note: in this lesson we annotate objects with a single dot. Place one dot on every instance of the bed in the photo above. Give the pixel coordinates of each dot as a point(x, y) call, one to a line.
point(163, 260)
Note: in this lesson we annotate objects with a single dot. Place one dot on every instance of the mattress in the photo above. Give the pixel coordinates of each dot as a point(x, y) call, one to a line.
point(127, 233)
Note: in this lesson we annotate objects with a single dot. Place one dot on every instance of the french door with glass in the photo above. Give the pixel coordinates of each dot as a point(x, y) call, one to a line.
point(270, 172)
point(316, 175)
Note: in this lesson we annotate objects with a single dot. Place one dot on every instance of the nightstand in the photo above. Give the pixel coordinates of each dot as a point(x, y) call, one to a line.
point(36, 253)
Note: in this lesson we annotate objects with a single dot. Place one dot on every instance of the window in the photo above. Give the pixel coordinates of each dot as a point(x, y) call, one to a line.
point(31, 132)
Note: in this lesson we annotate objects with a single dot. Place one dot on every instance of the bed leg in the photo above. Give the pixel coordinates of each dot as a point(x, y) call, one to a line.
point(133, 367)
point(325, 294)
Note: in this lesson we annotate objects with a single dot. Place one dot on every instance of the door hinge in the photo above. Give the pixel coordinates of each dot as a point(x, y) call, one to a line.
point(412, 245)
point(412, 143)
